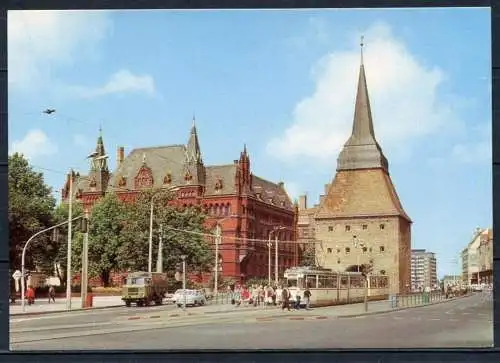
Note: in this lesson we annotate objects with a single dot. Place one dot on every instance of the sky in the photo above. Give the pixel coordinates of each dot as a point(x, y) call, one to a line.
point(281, 82)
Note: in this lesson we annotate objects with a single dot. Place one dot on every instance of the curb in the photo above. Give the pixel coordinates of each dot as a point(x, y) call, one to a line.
point(65, 311)
point(323, 317)
point(398, 309)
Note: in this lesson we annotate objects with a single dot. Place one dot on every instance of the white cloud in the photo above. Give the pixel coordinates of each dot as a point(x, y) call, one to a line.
point(120, 82)
point(403, 94)
point(39, 40)
point(34, 145)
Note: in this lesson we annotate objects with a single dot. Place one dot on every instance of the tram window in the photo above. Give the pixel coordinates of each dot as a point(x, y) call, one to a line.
point(356, 282)
point(384, 281)
point(292, 283)
point(343, 282)
point(311, 282)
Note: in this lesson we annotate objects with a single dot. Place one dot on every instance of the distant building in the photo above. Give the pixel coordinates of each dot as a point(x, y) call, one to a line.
point(486, 256)
point(452, 280)
point(305, 229)
point(470, 259)
point(423, 270)
point(360, 219)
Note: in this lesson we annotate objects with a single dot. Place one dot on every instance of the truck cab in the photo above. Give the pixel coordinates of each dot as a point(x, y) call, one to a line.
point(143, 288)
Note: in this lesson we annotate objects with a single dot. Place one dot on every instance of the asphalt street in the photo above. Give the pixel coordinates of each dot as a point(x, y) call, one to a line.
point(464, 322)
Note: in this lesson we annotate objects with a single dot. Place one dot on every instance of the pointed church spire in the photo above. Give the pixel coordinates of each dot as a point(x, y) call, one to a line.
point(98, 160)
point(193, 152)
point(362, 150)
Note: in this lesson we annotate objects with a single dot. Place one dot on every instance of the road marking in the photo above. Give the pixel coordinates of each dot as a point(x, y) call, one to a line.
point(58, 327)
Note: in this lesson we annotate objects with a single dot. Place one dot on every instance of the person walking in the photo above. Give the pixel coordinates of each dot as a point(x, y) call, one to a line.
point(52, 294)
point(307, 297)
point(30, 295)
point(285, 298)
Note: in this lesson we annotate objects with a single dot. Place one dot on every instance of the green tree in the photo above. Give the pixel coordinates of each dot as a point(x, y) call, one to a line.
point(107, 221)
point(309, 256)
point(30, 210)
point(134, 251)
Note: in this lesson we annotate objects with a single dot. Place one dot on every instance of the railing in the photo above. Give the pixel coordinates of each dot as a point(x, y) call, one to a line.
point(420, 299)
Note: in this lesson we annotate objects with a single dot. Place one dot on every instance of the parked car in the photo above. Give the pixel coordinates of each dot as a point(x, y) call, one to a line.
point(189, 297)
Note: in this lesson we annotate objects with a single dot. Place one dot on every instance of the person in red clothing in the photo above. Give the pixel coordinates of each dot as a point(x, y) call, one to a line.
point(30, 295)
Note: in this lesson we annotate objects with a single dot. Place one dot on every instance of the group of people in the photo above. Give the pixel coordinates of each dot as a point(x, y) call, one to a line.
point(30, 295)
point(269, 296)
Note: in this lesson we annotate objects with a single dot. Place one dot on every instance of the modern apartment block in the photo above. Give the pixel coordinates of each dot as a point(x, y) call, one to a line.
point(423, 270)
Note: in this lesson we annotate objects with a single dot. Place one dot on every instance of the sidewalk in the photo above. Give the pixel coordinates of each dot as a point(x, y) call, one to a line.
point(42, 306)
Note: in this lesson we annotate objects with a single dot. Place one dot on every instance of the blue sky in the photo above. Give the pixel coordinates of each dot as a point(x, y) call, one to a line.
point(283, 82)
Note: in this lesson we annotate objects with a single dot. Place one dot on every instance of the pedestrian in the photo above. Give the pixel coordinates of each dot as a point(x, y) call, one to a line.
point(30, 295)
point(273, 296)
point(285, 298)
point(307, 298)
point(297, 301)
point(52, 294)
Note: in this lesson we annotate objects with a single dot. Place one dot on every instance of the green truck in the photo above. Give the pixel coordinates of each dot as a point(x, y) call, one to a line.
point(144, 288)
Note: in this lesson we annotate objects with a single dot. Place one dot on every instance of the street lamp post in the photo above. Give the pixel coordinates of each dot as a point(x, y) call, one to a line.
point(85, 263)
point(184, 281)
point(159, 262)
point(275, 230)
point(68, 263)
point(23, 256)
point(269, 244)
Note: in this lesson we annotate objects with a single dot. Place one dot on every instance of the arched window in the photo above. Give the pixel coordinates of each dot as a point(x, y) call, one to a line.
point(228, 209)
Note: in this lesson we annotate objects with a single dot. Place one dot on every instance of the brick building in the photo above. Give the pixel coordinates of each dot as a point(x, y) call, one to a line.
point(246, 206)
point(360, 218)
point(486, 256)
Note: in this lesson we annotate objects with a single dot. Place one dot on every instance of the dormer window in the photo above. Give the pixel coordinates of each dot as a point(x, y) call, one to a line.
point(122, 181)
point(218, 184)
point(167, 179)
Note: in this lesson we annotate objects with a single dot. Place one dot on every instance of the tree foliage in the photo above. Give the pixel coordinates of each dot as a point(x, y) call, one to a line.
point(134, 250)
point(109, 216)
point(30, 210)
point(309, 256)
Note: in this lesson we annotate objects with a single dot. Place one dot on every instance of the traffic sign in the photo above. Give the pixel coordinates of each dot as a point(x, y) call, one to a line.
point(17, 275)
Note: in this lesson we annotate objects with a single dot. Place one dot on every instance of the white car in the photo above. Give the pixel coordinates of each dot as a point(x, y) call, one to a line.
point(189, 297)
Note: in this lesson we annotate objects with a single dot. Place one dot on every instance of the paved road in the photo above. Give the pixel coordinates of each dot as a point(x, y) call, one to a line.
point(464, 322)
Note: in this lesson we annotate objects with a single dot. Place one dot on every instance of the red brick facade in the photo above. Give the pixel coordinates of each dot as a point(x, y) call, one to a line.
point(246, 206)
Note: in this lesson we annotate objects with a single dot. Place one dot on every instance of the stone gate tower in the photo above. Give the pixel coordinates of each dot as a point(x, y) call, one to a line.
point(360, 217)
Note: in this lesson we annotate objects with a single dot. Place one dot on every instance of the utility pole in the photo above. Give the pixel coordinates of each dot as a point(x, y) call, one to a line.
point(269, 262)
point(159, 262)
point(68, 264)
point(184, 281)
point(150, 258)
point(85, 261)
point(218, 237)
point(276, 259)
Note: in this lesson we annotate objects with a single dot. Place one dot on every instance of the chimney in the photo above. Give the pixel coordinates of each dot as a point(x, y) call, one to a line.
point(302, 202)
point(120, 154)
